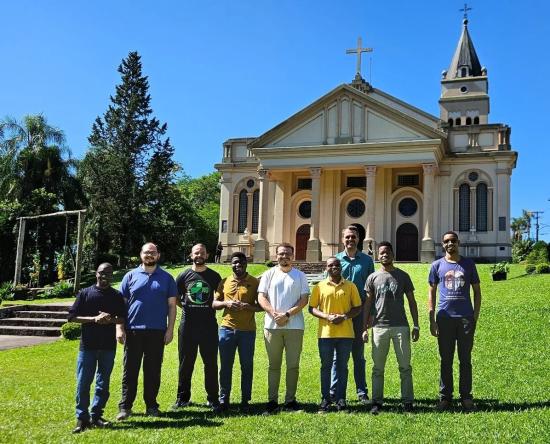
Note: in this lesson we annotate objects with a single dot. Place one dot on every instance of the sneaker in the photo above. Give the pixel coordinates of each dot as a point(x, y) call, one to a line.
point(408, 407)
point(443, 405)
point(364, 399)
point(468, 405)
point(341, 406)
point(180, 405)
point(244, 406)
point(81, 425)
point(123, 414)
point(292, 406)
point(152, 411)
point(332, 397)
point(218, 407)
point(324, 407)
point(375, 409)
point(100, 423)
point(271, 408)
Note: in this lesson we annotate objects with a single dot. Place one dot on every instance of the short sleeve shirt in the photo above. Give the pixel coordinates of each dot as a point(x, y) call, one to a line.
point(196, 290)
point(245, 290)
point(283, 290)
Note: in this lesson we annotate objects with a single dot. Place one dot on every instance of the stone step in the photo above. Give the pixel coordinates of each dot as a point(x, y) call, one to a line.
point(46, 307)
point(32, 322)
point(41, 314)
point(30, 331)
point(310, 267)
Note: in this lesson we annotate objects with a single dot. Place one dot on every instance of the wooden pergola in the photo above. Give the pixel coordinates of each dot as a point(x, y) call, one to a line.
point(21, 238)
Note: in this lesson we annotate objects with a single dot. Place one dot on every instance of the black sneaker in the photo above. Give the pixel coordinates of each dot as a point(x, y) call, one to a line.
point(364, 399)
point(292, 406)
point(154, 412)
point(341, 406)
point(332, 397)
point(123, 414)
point(216, 407)
point(81, 425)
point(271, 408)
point(375, 409)
point(244, 407)
point(100, 423)
point(408, 407)
point(324, 407)
point(180, 405)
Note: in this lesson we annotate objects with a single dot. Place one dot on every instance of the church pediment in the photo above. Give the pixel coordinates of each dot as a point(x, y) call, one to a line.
point(346, 115)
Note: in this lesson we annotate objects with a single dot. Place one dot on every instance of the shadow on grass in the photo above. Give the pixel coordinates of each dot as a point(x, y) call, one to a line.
point(171, 420)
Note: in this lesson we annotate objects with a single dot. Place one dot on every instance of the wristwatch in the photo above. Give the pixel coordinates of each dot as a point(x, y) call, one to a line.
point(287, 314)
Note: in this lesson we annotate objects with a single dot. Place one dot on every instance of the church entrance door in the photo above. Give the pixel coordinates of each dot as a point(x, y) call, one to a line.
point(302, 236)
point(406, 248)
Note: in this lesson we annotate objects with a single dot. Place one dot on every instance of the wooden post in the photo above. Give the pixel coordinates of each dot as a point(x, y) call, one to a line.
point(80, 237)
point(19, 254)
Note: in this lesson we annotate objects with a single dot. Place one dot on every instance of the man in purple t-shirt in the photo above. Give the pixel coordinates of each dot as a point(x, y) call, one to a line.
point(456, 319)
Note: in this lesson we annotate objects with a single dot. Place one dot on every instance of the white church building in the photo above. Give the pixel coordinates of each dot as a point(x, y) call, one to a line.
point(360, 156)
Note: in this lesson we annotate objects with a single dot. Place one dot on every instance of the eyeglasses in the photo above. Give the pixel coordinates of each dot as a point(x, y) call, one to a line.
point(450, 241)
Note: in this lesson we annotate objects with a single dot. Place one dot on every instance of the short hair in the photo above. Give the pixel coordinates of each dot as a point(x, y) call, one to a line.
point(351, 228)
point(150, 243)
point(449, 232)
point(385, 244)
point(104, 265)
point(332, 257)
point(240, 255)
point(199, 245)
point(284, 245)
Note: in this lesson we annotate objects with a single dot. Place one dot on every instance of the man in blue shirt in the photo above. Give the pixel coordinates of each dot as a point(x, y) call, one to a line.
point(356, 267)
point(456, 319)
point(150, 293)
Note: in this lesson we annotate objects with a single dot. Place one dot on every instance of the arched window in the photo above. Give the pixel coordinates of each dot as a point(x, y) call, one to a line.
point(464, 207)
point(468, 120)
point(463, 72)
point(450, 121)
point(481, 207)
point(476, 120)
point(458, 122)
point(243, 211)
point(255, 210)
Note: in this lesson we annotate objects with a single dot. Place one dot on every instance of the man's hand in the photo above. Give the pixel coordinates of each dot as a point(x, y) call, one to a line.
point(234, 305)
point(338, 319)
point(168, 336)
point(120, 334)
point(365, 336)
point(415, 334)
point(433, 328)
point(280, 318)
point(102, 318)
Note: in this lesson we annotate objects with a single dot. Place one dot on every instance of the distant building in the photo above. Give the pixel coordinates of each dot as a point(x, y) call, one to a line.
point(359, 156)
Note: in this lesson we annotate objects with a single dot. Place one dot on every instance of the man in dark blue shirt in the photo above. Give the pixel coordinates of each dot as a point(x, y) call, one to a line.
point(98, 308)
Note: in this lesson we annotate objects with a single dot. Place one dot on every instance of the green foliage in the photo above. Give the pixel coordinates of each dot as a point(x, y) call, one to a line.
point(6, 292)
point(269, 264)
point(530, 268)
point(500, 267)
point(538, 254)
point(543, 268)
point(62, 289)
point(520, 249)
point(71, 330)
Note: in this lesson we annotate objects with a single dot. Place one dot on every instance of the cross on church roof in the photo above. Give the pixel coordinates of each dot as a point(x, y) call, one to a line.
point(358, 51)
point(465, 10)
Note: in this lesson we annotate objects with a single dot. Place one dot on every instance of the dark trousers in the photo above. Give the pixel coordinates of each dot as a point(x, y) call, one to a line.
point(455, 333)
point(149, 346)
point(202, 338)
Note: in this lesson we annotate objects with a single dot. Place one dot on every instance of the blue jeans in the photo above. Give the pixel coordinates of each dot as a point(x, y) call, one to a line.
point(328, 349)
point(87, 363)
point(229, 342)
point(358, 356)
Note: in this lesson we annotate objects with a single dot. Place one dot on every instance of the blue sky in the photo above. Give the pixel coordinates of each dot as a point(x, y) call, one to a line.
point(220, 69)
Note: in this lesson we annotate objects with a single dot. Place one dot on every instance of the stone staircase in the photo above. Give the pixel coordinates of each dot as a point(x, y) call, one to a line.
point(313, 270)
point(33, 320)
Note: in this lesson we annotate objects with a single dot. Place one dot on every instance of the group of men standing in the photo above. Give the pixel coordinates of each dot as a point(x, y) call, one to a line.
point(352, 300)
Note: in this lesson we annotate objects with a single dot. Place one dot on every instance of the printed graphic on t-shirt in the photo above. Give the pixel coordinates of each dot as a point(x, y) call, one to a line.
point(198, 292)
point(388, 287)
point(454, 281)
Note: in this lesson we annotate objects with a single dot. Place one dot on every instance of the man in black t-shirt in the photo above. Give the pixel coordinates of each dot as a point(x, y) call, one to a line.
point(98, 308)
point(198, 329)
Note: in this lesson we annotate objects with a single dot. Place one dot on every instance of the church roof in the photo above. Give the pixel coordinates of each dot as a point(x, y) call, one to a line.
point(465, 56)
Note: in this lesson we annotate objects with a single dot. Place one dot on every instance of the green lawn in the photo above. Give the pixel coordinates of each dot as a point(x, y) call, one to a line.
point(511, 385)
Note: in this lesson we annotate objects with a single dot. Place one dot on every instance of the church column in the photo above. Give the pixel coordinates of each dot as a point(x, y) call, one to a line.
point(502, 207)
point(261, 246)
point(427, 252)
point(313, 253)
point(226, 208)
point(369, 243)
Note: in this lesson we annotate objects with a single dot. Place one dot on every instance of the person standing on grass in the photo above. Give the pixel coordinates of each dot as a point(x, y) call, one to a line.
point(335, 301)
point(356, 267)
point(98, 308)
point(385, 289)
point(237, 295)
point(456, 320)
point(219, 249)
point(150, 293)
point(198, 330)
point(282, 294)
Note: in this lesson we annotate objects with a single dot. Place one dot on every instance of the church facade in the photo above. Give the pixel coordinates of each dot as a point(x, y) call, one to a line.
point(358, 156)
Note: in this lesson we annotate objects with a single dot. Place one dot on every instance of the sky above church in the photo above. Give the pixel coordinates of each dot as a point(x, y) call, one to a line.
point(220, 69)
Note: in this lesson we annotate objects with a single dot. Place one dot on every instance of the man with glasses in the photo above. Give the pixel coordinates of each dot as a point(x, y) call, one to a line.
point(456, 319)
point(356, 267)
point(282, 294)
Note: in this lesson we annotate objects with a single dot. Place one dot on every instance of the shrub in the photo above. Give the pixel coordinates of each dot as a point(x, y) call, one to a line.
point(71, 330)
point(500, 267)
point(6, 292)
point(543, 268)
point(539, 254)
point(269, 264)
point(520, 249)
point(530, 268)
point(62, 289)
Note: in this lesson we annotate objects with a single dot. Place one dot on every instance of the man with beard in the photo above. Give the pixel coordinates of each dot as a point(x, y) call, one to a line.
point(150, 293)
point(283, 293)
point(456, 320)
point(356, 267)
point(237, 295)
point(198, 330)
point(98, 308)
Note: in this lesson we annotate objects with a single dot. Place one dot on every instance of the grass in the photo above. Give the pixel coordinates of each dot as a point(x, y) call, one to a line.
point(511, 385)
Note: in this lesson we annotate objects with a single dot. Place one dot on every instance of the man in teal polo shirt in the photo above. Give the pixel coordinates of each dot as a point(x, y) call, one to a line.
point(356, 267)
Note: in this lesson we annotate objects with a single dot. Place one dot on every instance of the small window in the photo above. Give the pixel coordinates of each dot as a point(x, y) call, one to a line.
point(476, 120)
point(458, 122)
point(463, 72)
point(502, 223)
point(356, 208)
point(473, 176)
point(224, 226)
point(304, 184)
point(304, 210)
point(356, 182)
point(450, 122)
point(463, 89)
point(408, 180)
point(408, 207)
point(468, 120)
point(250, 183)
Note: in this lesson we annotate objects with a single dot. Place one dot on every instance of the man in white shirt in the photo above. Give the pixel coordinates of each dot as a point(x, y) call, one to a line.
point(283, 293)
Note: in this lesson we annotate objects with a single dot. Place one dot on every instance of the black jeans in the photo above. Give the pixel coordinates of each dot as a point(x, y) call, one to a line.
point(202, 338)
point(455, 333)
point(149, 346)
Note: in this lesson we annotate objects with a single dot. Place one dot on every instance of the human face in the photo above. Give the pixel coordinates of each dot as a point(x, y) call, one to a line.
point(149, 255)
point(199, 255)
point(450, 243)
point(385, 255)
point(104, 275)
point(349, 239)
point(238, 265)
point(284, 256)
point(334, 268)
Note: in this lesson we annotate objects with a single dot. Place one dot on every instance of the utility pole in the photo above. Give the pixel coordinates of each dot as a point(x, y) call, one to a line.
point(536, 215)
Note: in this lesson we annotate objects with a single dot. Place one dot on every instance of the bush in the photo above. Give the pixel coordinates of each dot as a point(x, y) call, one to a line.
point(500, 267)
point(6, 292)
point(530, 268)
point(71, 330)
point(520, 249)
point(269, 264)
point(62, 289)
point(543, 268)
point(539, 254)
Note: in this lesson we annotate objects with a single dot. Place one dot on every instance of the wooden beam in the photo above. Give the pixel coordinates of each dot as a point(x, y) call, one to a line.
point(19, 254)
point(79, 242)
point(59, 213)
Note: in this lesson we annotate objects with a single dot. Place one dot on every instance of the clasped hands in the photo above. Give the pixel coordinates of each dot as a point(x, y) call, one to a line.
point(336, 318)
point(103, 318)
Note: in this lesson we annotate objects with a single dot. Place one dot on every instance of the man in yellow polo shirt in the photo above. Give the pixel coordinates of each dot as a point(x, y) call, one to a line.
point(335, 301)
point(237, 295)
